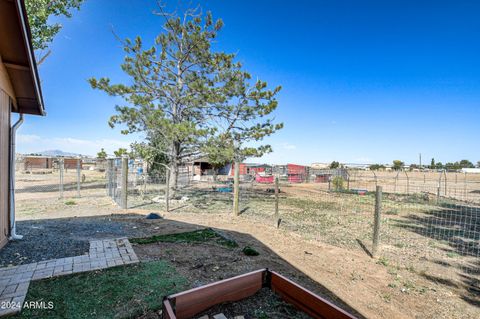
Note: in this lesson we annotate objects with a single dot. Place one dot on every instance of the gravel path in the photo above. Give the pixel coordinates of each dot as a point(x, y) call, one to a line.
point(66, 237)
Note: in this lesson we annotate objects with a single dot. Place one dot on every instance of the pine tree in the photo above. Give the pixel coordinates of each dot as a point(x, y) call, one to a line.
point(102, 154)
point(175, 83)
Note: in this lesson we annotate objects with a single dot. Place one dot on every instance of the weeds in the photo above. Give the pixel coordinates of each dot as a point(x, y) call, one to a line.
point(197, 236)
point(249, 251)
point(382, 261)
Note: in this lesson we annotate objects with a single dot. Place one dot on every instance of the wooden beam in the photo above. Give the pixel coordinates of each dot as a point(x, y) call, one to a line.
point(16, 66)
point(305, 300)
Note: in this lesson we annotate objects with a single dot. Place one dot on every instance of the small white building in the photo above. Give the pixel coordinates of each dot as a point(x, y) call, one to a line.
point(471, 170)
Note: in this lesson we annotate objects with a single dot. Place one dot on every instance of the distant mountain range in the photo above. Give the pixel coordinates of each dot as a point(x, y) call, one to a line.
point(56, 153)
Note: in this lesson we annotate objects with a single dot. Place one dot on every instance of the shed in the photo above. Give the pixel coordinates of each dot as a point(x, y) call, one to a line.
point(471, 170)
point(37, 162)
point(242, 168)
point(19, 93)
point(254, 169)
point(264, 179)
point(71, 163)
point(201, 166)
point(296, 173)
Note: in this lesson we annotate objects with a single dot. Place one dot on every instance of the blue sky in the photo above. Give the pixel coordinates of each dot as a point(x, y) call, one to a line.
point(363, 81)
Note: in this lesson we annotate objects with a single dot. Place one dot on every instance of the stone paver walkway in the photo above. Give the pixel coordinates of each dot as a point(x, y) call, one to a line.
point(14, 281)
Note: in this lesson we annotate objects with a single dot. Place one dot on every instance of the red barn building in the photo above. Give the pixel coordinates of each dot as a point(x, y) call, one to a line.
point(242, 169)
point(264, 179)
point(296, 173)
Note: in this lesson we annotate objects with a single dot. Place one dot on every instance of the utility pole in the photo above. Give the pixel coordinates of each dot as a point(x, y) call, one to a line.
point(420, 156)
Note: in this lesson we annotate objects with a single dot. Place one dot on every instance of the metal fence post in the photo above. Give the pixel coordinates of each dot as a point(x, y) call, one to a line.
point(277, 215)
point(408, 183)
point(110, 177)
point(445, 182)
point(377, 216)
point(124, 182)
point(79, 169)
point(438, 193)
point(424, 181)
point(167, 191)
point(455, 195)
point(144, 192)
point(61, 167)
point(236, 188)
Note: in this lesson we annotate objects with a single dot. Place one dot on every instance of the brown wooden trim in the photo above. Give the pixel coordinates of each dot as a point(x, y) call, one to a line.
point(194, 301)
point(305, 300)
point(189, 303)
point(5, 82)
point(16, 66)
point(5, 118)
point(10, 155)
point(167, 310)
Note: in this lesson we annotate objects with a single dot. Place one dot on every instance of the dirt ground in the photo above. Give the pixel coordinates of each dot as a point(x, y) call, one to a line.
point(362, 283)
point(319, 245)
point(204, 263)
point(459, 186)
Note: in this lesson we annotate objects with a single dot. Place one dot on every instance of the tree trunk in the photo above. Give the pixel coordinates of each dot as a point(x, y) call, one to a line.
point(174, 169)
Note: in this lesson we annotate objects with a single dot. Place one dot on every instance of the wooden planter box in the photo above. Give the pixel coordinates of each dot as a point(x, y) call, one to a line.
point(189, 303)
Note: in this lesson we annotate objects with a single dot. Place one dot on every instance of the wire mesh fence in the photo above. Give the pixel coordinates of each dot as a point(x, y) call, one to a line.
point(425, 217)
point(429, 221)
point(60, 179)
point(47, 184)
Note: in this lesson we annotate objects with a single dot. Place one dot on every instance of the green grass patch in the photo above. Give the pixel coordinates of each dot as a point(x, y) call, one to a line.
point(197, 236)
point(382, 261)
point(70, 202)
point(120, 292)
point(393, 211)
point(452, 254)
point(249, 251)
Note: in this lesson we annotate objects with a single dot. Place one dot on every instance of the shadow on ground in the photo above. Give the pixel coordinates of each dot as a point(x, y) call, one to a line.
point(457, 227)
point(43, 237)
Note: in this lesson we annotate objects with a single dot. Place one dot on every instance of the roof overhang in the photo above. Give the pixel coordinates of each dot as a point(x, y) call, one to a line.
point(17, 55)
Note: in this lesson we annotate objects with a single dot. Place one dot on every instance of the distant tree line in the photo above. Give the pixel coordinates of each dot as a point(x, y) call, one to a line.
point(453, 166)
point(399, 165)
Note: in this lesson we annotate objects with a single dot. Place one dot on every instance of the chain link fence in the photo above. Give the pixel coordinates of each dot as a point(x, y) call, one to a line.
point(58, 178)
point(47, 183)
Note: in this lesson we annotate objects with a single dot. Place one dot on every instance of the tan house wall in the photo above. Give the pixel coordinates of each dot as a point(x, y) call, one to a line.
point(4, 165)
